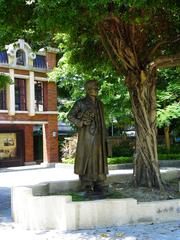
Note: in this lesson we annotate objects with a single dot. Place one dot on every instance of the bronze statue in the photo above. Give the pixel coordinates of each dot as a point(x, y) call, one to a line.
point(91, 157)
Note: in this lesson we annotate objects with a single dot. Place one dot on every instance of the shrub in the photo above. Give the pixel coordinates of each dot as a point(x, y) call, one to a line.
point(175, 148)
point(120, 160)
point(69, 147)
point(125, 149)
point(170, 156)
point(68, 160)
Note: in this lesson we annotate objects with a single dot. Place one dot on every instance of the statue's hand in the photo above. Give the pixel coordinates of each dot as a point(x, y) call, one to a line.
point(79, 124)
point(87, 122)
point(87, 117)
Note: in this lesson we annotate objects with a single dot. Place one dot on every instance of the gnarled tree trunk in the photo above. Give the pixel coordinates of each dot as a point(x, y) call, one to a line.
point(143, 99)
point(127, 47)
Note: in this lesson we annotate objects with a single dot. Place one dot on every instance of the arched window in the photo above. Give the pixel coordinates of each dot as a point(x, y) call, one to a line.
point(20, 57)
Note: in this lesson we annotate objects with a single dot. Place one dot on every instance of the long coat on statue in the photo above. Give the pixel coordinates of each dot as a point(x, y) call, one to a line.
point(91, 154)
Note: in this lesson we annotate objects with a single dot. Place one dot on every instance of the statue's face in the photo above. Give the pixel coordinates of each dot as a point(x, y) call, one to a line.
point(92, 90)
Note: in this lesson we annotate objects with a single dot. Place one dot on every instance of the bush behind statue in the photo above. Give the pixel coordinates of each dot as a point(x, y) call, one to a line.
point(125, 149)
point(69, 147)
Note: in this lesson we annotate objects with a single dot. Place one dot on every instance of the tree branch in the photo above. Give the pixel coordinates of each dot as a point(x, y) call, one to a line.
point(166, 61)
point(114, 62)
point(116, 35)
point(159, 44)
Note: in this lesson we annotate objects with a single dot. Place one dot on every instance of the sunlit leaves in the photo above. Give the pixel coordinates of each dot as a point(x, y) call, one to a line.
point(4, 79)
point(168, 97)
point(166, 115)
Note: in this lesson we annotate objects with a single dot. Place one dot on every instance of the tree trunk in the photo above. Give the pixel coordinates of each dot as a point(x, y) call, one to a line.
point(126, 45)
point(143, 99)
point(167, 138)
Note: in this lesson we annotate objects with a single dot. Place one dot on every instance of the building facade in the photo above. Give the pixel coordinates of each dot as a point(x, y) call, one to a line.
point(28, 103)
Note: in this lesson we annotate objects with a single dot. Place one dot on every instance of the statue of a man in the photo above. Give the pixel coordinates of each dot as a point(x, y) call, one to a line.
point(91, 157)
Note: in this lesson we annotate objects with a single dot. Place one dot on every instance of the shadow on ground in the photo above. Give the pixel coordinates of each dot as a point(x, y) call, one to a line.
point(5, 204)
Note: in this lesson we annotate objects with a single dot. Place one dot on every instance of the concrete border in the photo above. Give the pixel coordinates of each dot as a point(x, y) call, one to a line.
point(163, 163)
point(37, 207)
point(59, 212)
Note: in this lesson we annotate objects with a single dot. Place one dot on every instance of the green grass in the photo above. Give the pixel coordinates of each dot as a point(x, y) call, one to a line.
point(121, 160)
point(79, 197)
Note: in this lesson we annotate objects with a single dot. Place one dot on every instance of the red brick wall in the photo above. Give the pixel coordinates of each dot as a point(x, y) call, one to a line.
point(29, 150)
point(51, 147)
point(52, 96)
point(51, 60)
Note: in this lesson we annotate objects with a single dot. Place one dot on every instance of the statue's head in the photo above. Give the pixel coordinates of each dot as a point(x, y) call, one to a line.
point(91, 87)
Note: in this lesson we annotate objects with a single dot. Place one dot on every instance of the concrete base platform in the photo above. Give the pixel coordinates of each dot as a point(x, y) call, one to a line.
point(37, 207)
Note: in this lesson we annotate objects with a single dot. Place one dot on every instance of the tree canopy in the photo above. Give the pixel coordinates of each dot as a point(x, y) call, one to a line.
point(153, 25)
point(113, 92)
point(142, 24)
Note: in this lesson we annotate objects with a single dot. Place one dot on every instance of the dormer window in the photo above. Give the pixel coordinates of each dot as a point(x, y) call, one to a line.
point(20, 57)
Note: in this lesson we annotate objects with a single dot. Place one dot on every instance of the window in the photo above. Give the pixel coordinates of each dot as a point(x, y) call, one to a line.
point(20, 57)
point(39, 96)
point(3, 57)
point(40, 62)
point(20, 94)
point(3, 99)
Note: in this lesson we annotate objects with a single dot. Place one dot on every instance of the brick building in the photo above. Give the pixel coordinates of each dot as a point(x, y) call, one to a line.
point(28, 103)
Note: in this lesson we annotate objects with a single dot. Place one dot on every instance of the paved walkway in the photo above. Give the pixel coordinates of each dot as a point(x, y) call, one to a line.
point(36, 174)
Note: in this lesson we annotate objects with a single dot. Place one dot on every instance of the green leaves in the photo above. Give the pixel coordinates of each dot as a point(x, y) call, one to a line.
point(4, 79)
point(168, 97)
point(70, 78)
point(166, 115)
